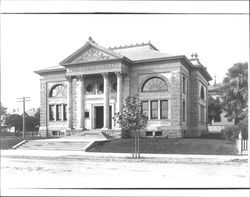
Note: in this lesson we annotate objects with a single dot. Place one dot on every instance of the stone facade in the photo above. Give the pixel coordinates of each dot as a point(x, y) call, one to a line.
point(99, 79)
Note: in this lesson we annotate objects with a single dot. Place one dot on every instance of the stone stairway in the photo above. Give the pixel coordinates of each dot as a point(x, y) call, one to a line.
point(76, 142)
point(54, 145)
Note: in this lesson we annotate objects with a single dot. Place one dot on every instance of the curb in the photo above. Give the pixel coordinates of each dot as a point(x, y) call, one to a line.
point(19, 144)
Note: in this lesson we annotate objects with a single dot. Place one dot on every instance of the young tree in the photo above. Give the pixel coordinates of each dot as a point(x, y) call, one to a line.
point(133, 119)
point(214, 110)
point(235, 96)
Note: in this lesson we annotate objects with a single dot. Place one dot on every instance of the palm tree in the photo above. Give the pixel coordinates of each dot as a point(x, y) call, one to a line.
point(235, 94)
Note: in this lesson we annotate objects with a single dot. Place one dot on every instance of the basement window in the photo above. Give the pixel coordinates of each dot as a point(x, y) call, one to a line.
point(158, 133)
point(149, 133)
point(87, 114)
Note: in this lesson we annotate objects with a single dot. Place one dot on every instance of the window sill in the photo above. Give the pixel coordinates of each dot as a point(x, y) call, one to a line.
point(57, 120)
point(158, 119)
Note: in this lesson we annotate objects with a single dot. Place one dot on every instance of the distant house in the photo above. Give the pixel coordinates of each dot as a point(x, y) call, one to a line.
point(216, 91)
point(29, 112)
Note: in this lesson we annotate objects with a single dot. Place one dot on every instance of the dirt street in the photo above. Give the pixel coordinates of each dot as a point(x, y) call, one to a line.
point(21, 175)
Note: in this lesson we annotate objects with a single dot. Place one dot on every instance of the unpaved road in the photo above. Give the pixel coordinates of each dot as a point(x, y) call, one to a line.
point(32, 175)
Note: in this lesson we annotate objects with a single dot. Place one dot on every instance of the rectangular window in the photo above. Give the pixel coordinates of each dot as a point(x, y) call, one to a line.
point(164, 109)
point(202, 113)
point(65, 112)
point(184, 111)
point(158, 133)
point(58, 112)
point(145, 107)
point(154, 109)
point(149, 133)
point(51, 112)
point(184, 85)
point(204, 119)
point(86, 114)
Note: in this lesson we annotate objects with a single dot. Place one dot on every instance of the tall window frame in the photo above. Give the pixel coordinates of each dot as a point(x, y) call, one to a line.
point(65, 112)
point(145, 108)
point(51, 113)
point(154, 109)
point(59, 112)
point(202, 115)
point(183, 110)
point(184, 84)
point(163, 109)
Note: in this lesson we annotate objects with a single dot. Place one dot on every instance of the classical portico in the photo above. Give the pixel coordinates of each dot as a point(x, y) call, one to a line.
point(105, 100)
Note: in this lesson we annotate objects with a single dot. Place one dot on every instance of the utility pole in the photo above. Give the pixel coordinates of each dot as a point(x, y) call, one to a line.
point(24, 100)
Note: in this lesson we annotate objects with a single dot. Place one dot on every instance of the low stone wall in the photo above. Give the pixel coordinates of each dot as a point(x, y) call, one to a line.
point(113, 133)
point(51, 132)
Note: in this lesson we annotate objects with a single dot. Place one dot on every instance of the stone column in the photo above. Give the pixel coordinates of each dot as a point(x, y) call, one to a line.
point(82, 104)
point(69, 102)
point(119, 95)
point(106, 101)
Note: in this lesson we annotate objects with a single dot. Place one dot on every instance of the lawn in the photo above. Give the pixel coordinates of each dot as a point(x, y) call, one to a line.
point(7, 142)
point(201, 146)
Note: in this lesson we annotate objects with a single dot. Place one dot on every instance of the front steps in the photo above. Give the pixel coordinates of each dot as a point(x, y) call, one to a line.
point(54, 145)
point(77, 141)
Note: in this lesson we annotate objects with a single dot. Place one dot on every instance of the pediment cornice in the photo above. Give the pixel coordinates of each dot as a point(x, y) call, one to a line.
point(90, 52)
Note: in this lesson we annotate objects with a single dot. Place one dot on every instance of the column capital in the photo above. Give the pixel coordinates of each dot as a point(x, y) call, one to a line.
point(119, 74)
point(105, 75)
point(69, 78)
point(80, 77)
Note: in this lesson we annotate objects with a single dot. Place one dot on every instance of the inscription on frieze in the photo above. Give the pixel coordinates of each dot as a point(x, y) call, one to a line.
point(91, 55)
point(93, 67)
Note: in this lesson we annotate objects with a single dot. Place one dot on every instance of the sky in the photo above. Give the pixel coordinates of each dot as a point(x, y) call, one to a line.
point(33, 42)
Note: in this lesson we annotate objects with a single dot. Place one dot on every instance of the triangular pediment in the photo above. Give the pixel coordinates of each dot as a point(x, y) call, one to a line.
point(90, 52)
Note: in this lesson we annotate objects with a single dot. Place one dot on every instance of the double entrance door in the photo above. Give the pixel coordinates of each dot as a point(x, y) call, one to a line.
point(99, 114)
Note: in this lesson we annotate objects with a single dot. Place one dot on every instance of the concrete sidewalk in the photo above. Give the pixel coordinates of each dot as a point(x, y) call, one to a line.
point(179, 158)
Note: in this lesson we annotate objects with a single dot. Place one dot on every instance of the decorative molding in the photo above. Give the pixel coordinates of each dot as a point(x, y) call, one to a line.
point(105, 75)
point(80, 77)
point(119, 74)
point(154, 95)
point(93, 67)
point(92, 55)
point(69, 78)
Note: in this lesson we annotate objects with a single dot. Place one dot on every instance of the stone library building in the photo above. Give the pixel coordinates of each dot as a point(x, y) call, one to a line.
point(87, 88)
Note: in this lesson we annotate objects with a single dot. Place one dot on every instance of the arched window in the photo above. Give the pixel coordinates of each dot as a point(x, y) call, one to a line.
point(154, 84)
point(58, 91)
point(202, 93)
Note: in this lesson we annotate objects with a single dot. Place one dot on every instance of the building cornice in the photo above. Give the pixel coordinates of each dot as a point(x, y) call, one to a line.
point(43, 71)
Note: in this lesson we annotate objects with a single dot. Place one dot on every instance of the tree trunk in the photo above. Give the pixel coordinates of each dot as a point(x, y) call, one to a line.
point(135, 152)
point(138, 143)
point(236, 121)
